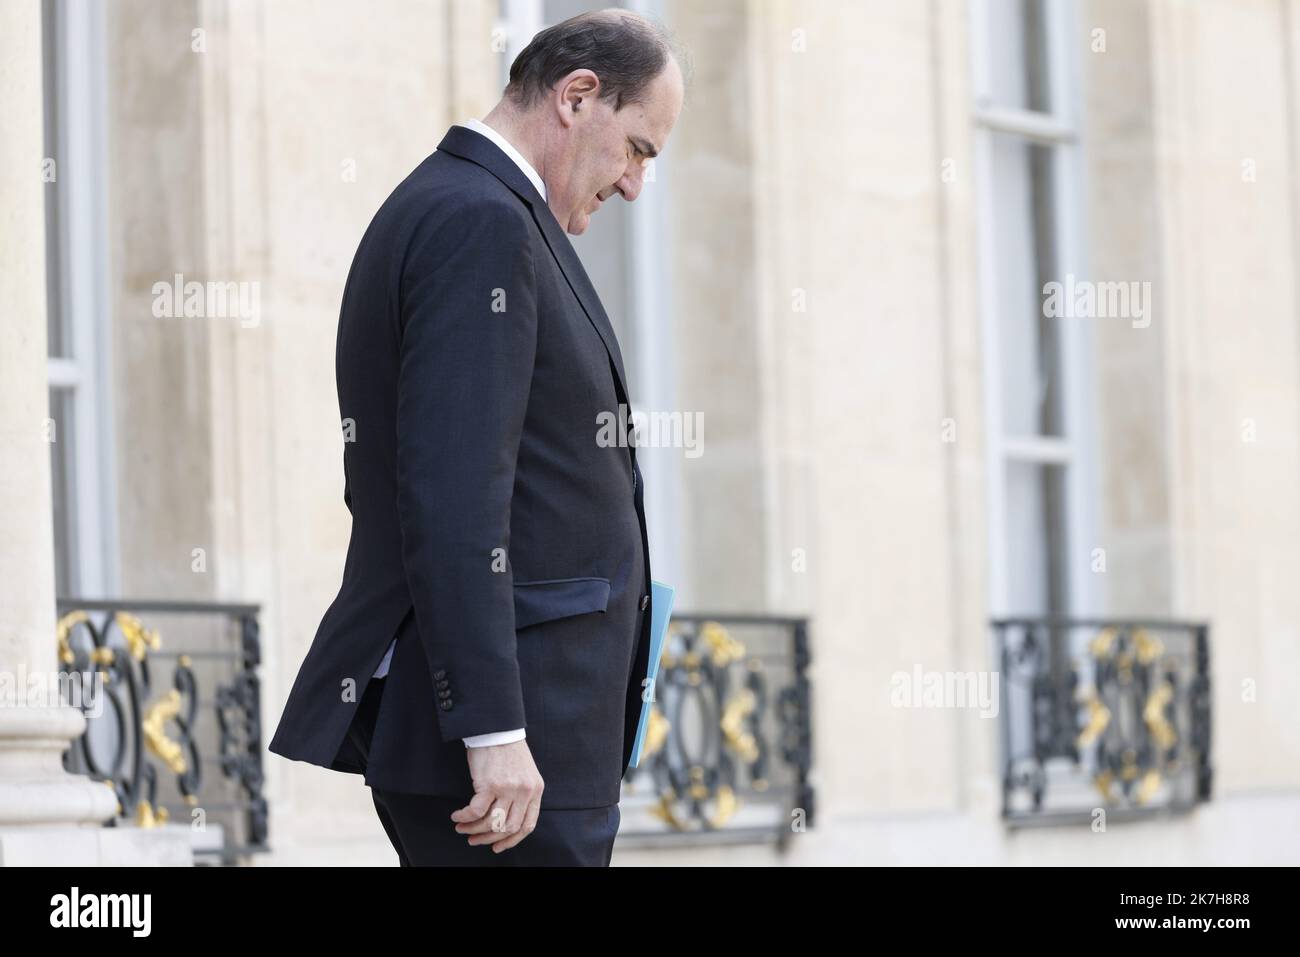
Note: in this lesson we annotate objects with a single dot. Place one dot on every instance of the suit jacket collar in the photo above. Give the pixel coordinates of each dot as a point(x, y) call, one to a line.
point(478, 149)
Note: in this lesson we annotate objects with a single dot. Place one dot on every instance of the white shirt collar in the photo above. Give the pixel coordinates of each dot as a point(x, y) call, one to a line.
point(478, 126)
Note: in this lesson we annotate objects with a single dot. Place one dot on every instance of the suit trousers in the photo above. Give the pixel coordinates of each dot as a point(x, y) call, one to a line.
point(423, 834)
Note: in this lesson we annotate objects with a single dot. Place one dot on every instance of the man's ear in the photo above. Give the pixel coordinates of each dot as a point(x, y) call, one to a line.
point(579, 87)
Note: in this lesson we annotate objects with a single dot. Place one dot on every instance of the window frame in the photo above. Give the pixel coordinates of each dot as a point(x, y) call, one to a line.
point(78, 264)
point(1061, 130)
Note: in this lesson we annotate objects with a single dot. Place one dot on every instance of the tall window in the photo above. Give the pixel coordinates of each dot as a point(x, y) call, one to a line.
point(77, 289)
point(1028, 169)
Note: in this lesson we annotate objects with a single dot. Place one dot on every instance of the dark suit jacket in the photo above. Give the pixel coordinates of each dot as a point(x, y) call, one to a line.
point(492, 533)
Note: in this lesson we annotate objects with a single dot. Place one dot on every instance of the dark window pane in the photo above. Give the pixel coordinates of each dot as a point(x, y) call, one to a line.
point(1019, 55)
point(63, 472)
point(59, 341)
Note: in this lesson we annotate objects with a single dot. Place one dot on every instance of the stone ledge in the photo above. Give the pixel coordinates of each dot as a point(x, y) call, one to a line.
point(165, 846)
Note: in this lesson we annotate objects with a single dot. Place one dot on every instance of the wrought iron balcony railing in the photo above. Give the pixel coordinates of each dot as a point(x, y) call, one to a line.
point(729, 746)
point(1103, 715)
point(175, 725)
point(176, 731)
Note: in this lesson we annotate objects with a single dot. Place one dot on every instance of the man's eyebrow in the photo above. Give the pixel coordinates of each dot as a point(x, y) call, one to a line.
point(644, 147)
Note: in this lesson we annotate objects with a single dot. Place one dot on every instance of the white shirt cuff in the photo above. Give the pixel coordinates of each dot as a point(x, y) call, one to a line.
point(493, 737)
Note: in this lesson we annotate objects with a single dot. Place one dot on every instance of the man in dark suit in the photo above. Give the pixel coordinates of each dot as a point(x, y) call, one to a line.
point(482, 664)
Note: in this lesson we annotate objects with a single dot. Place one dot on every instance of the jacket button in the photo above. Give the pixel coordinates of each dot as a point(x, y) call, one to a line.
point(444, 693)
point(645, 602)
point(439, 674)
point(443, 683)
point(446, 705)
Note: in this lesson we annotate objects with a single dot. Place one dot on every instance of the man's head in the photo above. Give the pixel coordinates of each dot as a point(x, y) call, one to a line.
point(590, 102)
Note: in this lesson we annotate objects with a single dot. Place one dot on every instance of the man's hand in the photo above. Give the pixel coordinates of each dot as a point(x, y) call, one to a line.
point(507, 796)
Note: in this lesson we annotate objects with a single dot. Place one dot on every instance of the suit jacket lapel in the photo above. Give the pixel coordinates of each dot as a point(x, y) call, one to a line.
point(469, 145)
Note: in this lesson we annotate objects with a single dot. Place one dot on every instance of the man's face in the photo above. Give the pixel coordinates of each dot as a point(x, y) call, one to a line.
point(609, 151)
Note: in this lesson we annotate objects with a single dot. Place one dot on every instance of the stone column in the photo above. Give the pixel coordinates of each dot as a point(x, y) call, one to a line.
point(47, 816)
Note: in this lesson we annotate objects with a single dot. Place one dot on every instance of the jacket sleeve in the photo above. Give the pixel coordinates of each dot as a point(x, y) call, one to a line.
point(468, 314)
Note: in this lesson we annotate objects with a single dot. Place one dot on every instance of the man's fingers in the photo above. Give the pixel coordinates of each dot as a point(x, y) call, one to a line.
point(498, 823)
point(475, 809)
point(516, 820)
point(494, 820)
point(507, 784)
point(530, 824)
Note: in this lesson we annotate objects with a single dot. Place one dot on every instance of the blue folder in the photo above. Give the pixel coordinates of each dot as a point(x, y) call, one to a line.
point(661, 609)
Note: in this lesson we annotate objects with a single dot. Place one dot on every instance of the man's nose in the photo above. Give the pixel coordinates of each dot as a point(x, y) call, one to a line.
point(632, 181)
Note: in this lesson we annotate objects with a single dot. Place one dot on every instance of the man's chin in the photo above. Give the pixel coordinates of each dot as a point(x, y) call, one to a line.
point(578, 224)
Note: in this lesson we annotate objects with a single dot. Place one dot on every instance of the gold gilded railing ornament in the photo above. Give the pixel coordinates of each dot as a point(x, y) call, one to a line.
point(1103, 782)
point(1146, 650)
point(667, 660)
point(147, 816)
point(725, 806)
point(741, 706)
point(723, 649)
point(691, 662)
point(1098, 719)
point(1103, 646)
point(1149, 786)
point(663, 810)
point(1153, 713)
point(657, 728)
point(100, 655)
point(139, 640)
point(64, 631)
point(155, 731)
point(1149, 648)
point(699, 790)
point(656, 732)
point(726, 803)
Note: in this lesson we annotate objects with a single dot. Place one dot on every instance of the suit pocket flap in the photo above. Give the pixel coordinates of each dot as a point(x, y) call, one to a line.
point(539, 601)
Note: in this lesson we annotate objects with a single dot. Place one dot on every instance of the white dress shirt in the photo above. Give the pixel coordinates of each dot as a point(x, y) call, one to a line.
point(492, 737)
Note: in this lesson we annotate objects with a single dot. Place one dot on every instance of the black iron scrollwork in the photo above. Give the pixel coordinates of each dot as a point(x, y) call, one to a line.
point(112, 659)
point(136, 740)
point(721, 737)
point(1122, 706)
